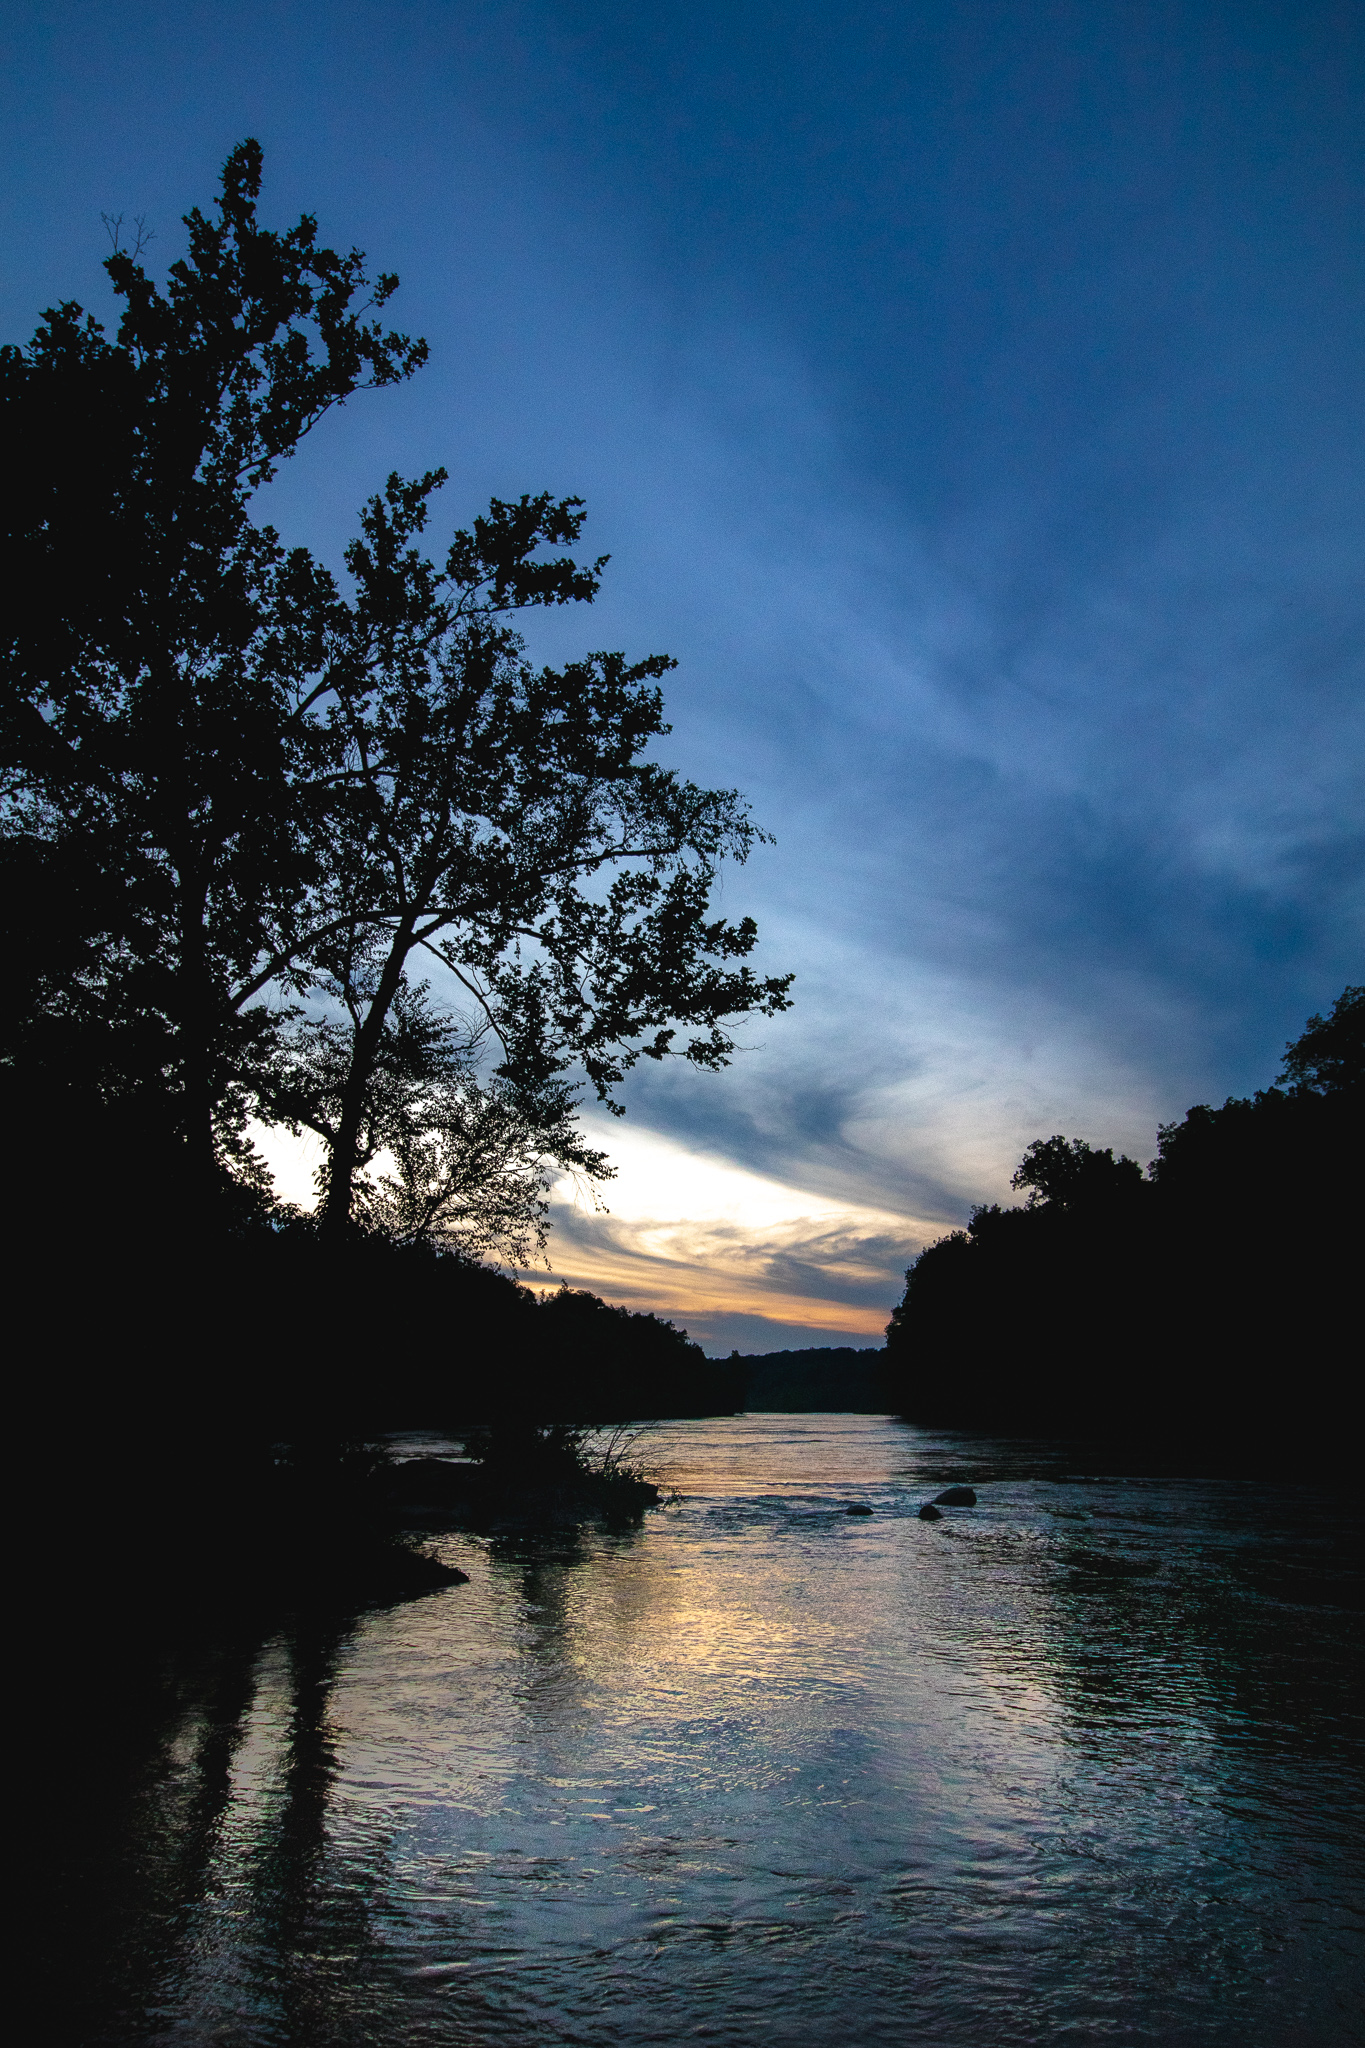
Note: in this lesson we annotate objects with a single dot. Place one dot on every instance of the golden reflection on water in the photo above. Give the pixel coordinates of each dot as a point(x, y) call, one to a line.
point(1056, 1766)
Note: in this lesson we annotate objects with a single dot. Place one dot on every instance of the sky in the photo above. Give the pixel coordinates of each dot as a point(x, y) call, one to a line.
point(969, 396)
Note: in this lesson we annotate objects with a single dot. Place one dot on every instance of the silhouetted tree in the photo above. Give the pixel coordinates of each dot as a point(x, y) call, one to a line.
point(1329, 1056)
point(1070, 1174)
point(237, 792)
point(441, 1155)
point(599, 1363)
point(503, 819)
point(1297, 1141)
point(230, 784)
point(160, 650)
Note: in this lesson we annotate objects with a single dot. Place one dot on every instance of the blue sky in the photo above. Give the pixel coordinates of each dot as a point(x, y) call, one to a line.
point(970, 397)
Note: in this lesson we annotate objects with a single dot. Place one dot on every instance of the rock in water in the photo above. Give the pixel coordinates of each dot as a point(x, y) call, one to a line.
point(858, 1508)
point(929, 1513)
point(956, 1497)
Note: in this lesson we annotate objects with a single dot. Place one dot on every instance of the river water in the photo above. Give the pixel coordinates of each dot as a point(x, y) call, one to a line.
point(1079, 1764)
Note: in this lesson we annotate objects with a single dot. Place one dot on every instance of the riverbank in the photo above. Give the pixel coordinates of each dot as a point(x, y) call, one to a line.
point(189, 1525)
point(438, 1491)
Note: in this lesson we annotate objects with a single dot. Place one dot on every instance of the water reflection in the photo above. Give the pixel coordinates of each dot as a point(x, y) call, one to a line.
point(311, 1926)
point(137, 1788)
point(1072, 1764)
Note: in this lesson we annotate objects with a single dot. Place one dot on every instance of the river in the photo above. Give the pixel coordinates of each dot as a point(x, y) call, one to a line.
point(1080, 1764)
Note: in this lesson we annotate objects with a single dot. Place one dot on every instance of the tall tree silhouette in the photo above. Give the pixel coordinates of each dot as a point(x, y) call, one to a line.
point(160, 652)
point(502, 819)
point(230, 781)
point(1328, 1056)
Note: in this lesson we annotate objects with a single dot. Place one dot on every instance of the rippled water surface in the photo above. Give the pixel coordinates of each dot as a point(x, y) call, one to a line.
point(1081, 1763)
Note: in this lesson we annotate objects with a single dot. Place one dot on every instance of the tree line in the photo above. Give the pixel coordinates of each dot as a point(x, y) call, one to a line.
point(1213, 1299)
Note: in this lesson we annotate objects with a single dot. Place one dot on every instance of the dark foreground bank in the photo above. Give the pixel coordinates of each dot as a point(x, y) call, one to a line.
point(217, 1403)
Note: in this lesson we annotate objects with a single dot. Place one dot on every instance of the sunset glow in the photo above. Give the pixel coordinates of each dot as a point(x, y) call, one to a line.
point(709, 1244)
point(706, 1242)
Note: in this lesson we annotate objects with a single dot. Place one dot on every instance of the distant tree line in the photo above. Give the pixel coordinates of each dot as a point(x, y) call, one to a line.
point(838, 1378)
point(1216, 1296)
point(324, 849)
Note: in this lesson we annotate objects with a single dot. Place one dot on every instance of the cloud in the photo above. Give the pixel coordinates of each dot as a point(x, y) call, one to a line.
point(1065, 785)
point(985, 442)
point(693, 1237)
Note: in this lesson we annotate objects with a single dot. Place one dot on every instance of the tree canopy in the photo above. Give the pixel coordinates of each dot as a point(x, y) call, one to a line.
point(252, 806)
point(1067, 1173)
point(1329, 1055)
point(160, 654)
point(505, 821)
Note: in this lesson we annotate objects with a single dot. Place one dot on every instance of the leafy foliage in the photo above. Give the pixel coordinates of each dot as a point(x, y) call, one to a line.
point(441, 1156)
point(1070, 1174)
point(158, 649)
point(235, 787)
point(505, 821)
point(1329, 1056)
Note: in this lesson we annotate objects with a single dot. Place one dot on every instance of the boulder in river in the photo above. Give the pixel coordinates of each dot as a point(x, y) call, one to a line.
point(929, 1513)
point(955, 1497)
point(859, 1507)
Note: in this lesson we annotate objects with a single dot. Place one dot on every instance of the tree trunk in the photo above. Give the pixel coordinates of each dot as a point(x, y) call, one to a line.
point(200, 1159)
point(336, 1212)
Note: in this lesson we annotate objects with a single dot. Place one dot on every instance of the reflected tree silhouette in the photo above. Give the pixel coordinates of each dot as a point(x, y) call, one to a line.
point(191, 1850)
point(314, 1906)
point(139, 1785)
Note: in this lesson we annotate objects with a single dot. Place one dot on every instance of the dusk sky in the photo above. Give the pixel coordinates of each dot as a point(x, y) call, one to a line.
point(970, 397)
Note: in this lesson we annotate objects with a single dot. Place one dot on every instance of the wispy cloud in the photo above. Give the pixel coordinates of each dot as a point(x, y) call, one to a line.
point(982, 436)
point(727, 1251)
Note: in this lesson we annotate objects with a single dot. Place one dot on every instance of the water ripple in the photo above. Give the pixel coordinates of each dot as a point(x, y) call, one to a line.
point(1081, 1763)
